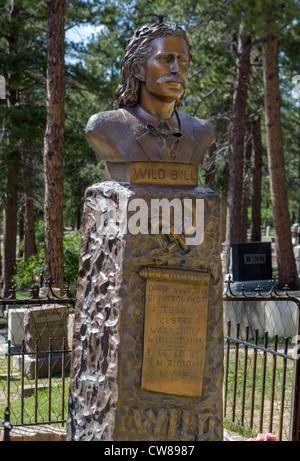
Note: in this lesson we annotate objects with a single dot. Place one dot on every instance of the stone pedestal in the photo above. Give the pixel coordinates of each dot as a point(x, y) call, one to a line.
point(114, 395)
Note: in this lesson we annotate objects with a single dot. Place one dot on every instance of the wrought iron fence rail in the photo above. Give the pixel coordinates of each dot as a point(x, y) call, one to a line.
point(50, 293)
point(35, 387)
point(38, 396)
point(258, 347)
point(35, 301)
point(36, 351)
point(245, 379)
point(62, 422)
point(262, 377)
point(239, 391)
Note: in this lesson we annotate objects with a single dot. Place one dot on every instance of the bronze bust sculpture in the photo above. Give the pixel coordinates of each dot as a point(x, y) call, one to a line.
point(147, 348)
point(146, 126)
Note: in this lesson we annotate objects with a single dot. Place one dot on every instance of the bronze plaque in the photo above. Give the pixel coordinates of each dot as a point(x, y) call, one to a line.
point(174, 331)
point(164, 173)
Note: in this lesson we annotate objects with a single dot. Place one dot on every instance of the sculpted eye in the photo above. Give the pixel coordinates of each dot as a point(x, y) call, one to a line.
point(165, 58)
point(183, 60)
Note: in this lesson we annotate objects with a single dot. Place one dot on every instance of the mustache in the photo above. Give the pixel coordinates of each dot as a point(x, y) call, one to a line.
point(172, 78)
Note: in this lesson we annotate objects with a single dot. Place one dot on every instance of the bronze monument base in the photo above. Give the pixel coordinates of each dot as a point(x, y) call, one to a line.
point(147, 360)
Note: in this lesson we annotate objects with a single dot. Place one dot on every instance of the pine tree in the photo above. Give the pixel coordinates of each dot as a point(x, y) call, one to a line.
point(53, 143)
point(285, 256)
point(257, 179)
point(237, 141)
point(18, 62)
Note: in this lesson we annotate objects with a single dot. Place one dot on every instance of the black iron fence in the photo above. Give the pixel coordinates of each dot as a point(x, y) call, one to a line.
point(35, 354)
point(261, 383)
point(261, 379)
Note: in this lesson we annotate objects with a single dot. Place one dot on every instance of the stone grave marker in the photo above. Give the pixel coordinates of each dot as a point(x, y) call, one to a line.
point(15, 332)
point(43, 323)
point(251, 261)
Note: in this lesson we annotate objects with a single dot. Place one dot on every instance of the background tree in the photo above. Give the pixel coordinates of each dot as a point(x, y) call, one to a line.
point(257, 179)
point(91, 77)
point(18, 61)
point(11, 192)
point(54, 143)
point(285, 256)
point(237, 142)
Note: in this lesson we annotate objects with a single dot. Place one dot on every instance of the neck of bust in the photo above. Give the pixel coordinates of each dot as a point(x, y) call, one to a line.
point(162, 110)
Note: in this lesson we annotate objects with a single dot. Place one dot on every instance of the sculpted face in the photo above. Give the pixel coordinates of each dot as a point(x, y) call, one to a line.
point(164, 73)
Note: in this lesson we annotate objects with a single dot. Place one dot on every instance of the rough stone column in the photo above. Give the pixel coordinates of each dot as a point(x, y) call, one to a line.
point(106, 400)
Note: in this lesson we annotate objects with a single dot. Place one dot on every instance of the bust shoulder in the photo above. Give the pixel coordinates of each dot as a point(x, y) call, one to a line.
point(202, 133)
point(201, 128)
point(118, 136)
point(110, 134)
point(101, 120)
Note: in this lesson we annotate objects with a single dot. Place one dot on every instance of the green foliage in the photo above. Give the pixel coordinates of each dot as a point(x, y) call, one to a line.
point(27, 267)
point(40, 233)
point(23, 64)
point(71, 256)
point(92, 73)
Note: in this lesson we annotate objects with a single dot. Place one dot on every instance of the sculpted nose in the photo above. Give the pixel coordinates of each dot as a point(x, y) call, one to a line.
point(175, 68)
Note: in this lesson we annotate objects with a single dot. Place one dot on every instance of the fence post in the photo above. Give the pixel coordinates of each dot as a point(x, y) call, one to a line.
point(33, 352)
point(294, 422)
point(7, 426)
point(295, 436)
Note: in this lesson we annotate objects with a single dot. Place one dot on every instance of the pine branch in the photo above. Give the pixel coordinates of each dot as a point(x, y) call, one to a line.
point(35, 75)
point(203, 99)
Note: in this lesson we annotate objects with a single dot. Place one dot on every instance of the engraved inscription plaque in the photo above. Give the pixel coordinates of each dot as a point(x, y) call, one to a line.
point(165, 173)
point(174, 330)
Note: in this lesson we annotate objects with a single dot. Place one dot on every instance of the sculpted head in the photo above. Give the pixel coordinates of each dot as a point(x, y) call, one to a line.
point(137, 52)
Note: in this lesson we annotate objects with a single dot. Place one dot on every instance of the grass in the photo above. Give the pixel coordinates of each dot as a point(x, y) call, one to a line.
point(33, 409)
point(238, 422)
point(40, 413)
point(23, 294)
point(277, 398)
point(237, 429)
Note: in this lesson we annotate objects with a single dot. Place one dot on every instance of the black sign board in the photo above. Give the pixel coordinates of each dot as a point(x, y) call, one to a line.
point(251, 261)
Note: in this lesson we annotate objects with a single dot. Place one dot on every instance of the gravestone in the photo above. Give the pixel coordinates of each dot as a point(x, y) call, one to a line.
point(147, 353)
point(296, 250)
point(251, 261)
point(15, 332)
point(43, 324)
point(251, 265)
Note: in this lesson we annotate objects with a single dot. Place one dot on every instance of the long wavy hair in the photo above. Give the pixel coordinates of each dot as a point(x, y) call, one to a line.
point(137, 51)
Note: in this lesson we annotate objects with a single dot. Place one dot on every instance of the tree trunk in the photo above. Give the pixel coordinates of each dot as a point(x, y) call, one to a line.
point(1, 243)
point(9, 230)
point(53, 144)
point(21, 234)
point(246, 190)
point(30, 243)
point(78, 217)
point(256, 182)
point(10, 207)
point(236, 148)
point(283, 241)
point(210, 171)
